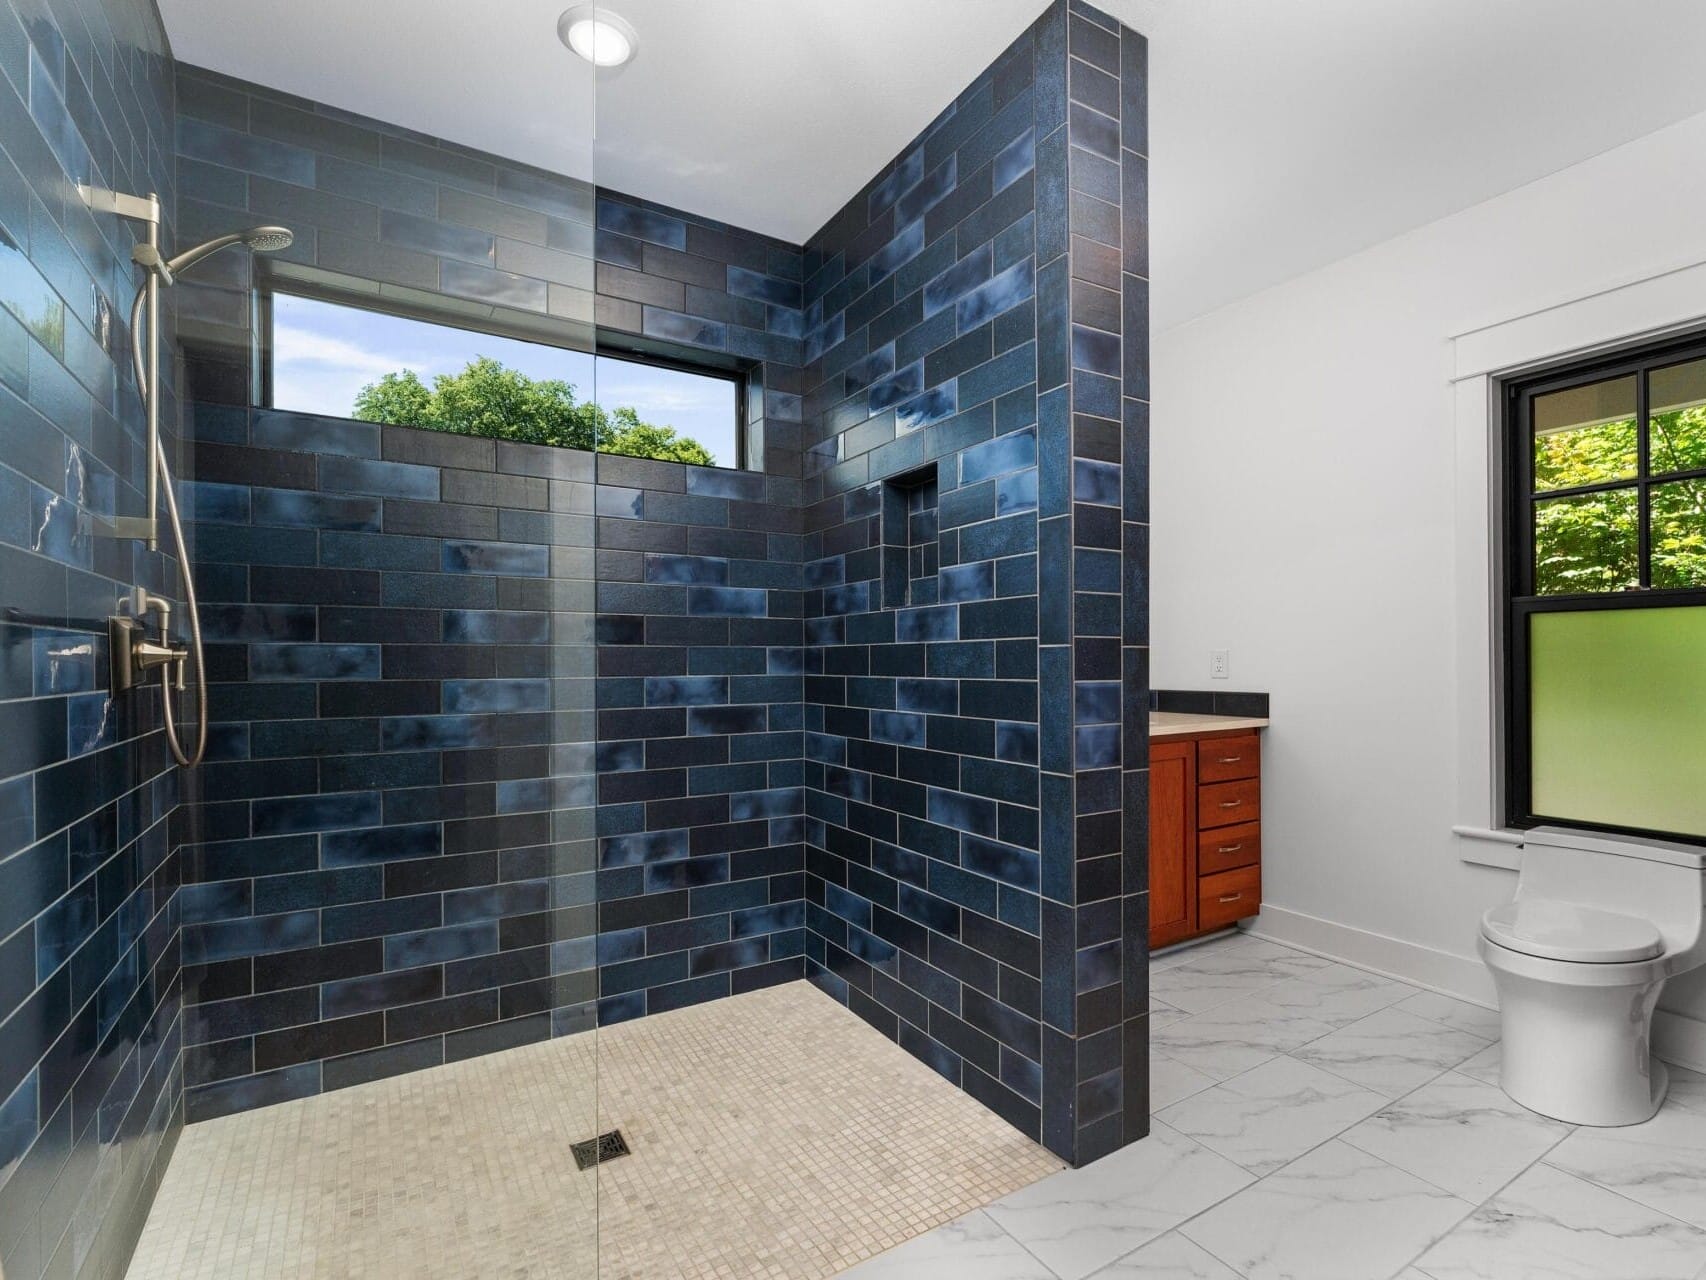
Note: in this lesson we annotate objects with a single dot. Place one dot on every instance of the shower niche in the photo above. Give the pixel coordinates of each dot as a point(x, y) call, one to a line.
point(911, 546)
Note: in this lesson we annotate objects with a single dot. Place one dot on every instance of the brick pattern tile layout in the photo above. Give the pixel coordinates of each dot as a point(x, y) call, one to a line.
point(976, 746)
point(90, 1082)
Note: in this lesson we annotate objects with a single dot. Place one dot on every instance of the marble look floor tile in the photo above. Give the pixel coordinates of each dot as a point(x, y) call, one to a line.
point(1391, 1052)
point(1170, 1257)
point(1335, 1214)
point(971, 1248)
point(1548, 1225)
point(1228, 972)
point(1272, 1114)
point(1187, 952)
point(1237, 1036)
point(1484, 1066)
point(1454, 1013)
point(1081, 1219)
point(1661, 1164)
point(1300, 961)
point(1337, 994)
point(1171, 1081)
point(1458, 1133)
point(1162, 1014)
point(1200, 985)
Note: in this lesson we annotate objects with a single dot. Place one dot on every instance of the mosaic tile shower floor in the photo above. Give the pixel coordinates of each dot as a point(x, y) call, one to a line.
point(774, 1134)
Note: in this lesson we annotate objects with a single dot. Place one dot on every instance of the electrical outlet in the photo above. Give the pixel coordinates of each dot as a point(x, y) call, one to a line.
point(1220, 664)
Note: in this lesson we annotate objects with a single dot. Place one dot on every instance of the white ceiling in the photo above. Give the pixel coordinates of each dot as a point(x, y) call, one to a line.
point(1285, 133)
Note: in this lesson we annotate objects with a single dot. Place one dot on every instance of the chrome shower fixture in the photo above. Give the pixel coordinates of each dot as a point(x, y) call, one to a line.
point(134, 655)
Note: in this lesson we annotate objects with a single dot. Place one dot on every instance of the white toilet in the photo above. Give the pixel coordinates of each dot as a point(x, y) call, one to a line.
point(1579, 958)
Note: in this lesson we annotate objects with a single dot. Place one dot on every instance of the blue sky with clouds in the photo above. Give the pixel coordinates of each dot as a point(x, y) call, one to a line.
point(324, 354)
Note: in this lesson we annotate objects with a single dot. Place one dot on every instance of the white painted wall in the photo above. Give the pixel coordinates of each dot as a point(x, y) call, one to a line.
point(1303, 504)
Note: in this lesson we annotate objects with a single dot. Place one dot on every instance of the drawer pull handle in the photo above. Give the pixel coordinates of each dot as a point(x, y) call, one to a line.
point(1230, 848)
point(1229, 759)
point(1230, 804)
point(1230, 897)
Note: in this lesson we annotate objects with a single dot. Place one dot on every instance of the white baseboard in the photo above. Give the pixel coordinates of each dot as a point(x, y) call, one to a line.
point(1677, 1038)
point(1464, 977)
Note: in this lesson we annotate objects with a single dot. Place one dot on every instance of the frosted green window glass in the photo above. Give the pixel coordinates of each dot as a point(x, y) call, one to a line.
point(1617, 702)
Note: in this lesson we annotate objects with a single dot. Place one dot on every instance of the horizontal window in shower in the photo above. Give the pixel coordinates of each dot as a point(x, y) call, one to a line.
point(347, 361)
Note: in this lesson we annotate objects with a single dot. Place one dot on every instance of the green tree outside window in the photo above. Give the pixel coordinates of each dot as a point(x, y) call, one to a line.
point(1590, 542)
point(489, 399)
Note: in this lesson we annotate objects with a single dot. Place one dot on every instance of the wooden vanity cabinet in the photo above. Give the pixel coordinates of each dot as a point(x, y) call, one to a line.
point(1205, 834)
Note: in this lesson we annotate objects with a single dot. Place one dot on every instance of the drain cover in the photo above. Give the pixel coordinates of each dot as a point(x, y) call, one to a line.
point(606, 1146)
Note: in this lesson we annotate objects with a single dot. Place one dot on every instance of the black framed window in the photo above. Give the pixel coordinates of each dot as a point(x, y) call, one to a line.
point(1605, 576)
point(332, 356)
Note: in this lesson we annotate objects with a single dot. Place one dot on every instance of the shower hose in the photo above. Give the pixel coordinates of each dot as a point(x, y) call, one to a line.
point(173, 737)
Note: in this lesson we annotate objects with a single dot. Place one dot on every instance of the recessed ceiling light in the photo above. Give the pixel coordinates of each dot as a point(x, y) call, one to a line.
point(601, 37)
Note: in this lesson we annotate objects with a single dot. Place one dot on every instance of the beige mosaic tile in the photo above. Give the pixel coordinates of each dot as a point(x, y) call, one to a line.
point(775, 1136)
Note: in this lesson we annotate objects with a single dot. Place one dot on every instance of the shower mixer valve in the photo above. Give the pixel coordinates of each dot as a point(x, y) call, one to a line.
point(134, 655)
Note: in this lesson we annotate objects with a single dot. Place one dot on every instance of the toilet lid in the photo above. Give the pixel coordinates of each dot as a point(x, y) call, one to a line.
point(1569, 931)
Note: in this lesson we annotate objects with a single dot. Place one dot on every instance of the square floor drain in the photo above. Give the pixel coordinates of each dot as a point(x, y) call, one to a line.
point(607, 1146)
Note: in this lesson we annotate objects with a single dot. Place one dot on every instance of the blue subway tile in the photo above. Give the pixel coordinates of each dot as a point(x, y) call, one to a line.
point(1010, 452)
point(999, 294)
point(642, 848)
point(466, 696)
point(384, 479)
point(251, 936)
point(512, 559)
point(903, 384)
point(1097, 746)
point(898, 727)
point(731, 602)
point(1016, 492)
point(962, 582)
point(698, 570)
point(686, 691)
point(441, 945)
point(931, 623)
point(315, 813)
point(641, 224)
point(937, 403)
point(958, 280)
point(314, 661)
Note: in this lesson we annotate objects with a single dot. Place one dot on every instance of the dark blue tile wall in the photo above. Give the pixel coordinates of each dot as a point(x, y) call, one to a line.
point(90, 991)
point(390, 849)
point(700, 780)
point(975, 322)
point(371, 202)
point(868, 716)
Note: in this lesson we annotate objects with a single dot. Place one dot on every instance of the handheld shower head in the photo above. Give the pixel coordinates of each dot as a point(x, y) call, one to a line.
point(265, 239)
point(268, 239)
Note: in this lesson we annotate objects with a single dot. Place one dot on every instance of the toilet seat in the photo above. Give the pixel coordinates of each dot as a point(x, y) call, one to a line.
point(1555, 930)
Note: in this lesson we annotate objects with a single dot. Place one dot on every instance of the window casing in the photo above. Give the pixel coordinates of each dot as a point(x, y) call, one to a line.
point(1605, 595)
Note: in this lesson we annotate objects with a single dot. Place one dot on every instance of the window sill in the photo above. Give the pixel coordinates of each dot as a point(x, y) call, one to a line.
point(1484, 847)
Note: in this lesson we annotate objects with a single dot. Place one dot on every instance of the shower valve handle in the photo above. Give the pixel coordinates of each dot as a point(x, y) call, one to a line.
point(134, 654)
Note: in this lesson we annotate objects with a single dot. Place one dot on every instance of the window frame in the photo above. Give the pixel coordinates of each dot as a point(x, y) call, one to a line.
point(617, 346)
point(1520, 603)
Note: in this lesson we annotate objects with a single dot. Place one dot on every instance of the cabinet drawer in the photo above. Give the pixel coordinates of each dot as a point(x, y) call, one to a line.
point(1227, 759)
point(1228, 896)
point(1220, 804)
point(1227, 847)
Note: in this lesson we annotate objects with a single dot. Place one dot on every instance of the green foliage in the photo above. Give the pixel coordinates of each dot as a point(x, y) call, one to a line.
point(1591, 542)
point(490, 399)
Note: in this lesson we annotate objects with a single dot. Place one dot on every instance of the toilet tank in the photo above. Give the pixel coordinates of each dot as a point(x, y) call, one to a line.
point(1660, 880)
